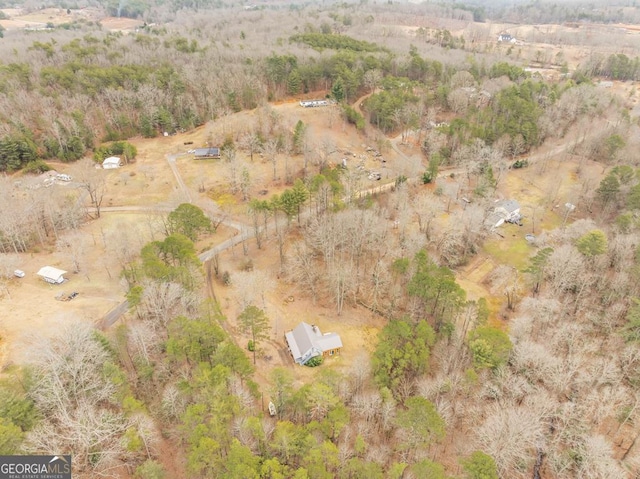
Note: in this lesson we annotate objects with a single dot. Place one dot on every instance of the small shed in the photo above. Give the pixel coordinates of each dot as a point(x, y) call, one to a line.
point(52, 275)
point(111, 163)
point(203, 153)
point(306, 342)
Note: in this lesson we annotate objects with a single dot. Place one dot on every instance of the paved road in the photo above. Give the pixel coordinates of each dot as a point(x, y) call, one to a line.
point(113, 315)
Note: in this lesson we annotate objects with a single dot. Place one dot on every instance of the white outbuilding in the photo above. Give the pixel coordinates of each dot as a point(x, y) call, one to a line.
point(52, 275)
point(111, 162)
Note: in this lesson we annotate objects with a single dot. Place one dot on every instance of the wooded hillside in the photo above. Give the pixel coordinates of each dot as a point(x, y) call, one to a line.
point(486, 349)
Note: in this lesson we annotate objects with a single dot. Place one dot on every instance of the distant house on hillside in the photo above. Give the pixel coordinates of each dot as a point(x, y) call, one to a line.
point(505, 211)
point(313, 103)
point(111, 163)
point(52, 275)
point(203, 153)
point(306, 342)
point(506, 38)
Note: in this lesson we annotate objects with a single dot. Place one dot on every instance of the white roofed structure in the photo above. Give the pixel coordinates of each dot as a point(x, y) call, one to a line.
point(52, 275)
point(111, 162)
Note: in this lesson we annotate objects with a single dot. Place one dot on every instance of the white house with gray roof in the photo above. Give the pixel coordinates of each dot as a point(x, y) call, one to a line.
point(505, 211)
point(306, 342)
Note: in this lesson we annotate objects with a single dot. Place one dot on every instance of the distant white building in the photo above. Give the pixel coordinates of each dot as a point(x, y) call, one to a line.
point(313, 103)
point(52, 275)
point(506, 38)
point(111, 163)
point(306, 342)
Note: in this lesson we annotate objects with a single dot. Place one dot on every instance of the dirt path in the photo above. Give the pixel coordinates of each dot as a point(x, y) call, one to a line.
point(171, 159)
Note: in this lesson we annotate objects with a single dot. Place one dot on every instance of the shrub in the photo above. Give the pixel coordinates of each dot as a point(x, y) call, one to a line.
point(314, 362)
point(520, 164)
point(117, 148)
point(251, 346)
point(36, 167)
point(353, 117)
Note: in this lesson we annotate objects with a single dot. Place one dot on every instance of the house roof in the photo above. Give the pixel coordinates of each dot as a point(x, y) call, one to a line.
point(329, 341)
point(213, 151)
point(111, 159)
point(50, 272)
point(305, 338)
point(510, 206)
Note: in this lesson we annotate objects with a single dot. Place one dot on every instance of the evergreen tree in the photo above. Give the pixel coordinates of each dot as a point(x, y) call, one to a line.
point(254, 322)
point(479, 466)
point(298, 136)
point(189, 220)
point(337, 90)
point(294, 82)
point(402, 352)
point(592, 244)
point(490, 347)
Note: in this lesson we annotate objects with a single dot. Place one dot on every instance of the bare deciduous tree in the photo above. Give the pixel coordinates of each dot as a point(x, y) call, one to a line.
point(303, 268)
point(74, 246)
point(92, 180)
point(8, 264)
point(505, 279)
point(161, 302)
point(427, 208)
point(251, 288)
point(72, 391)
point(510, 435)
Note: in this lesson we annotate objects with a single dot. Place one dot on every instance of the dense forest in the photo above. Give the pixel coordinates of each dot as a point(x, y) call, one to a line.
point(538, 379)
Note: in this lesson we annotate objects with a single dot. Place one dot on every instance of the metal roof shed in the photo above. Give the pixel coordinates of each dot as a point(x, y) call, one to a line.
point(111, 162)
point(52, 275)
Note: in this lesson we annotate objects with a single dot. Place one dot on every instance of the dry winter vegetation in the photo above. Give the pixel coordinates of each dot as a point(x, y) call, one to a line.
point(469, 352)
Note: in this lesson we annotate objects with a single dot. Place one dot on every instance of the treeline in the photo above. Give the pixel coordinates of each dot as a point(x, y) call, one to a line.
point(170, 87)
point(614, 67)
point(336, 42)
point(173, 85)
point(29, 218)
point(103, 87)
point(559, 12)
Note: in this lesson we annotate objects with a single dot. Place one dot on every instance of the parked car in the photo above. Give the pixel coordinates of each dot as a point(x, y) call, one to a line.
point(19, 273)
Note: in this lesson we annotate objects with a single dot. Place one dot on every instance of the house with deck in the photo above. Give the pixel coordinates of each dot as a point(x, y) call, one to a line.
point(204, 153)
point(306, 341)
point(505, 211)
